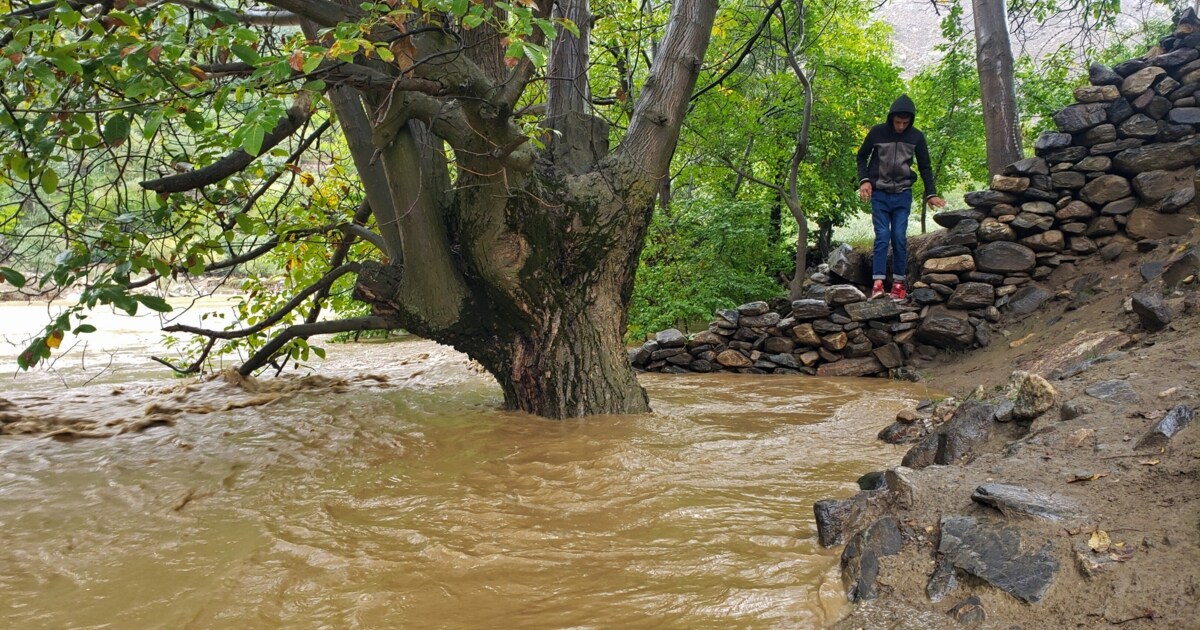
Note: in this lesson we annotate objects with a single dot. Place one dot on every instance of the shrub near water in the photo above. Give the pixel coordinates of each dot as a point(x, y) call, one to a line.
point(701, 255)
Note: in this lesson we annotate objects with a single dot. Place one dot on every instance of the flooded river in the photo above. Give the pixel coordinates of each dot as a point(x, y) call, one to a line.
point(406, 499)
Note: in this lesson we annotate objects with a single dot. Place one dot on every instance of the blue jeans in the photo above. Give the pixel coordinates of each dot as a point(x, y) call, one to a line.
point(889, 213)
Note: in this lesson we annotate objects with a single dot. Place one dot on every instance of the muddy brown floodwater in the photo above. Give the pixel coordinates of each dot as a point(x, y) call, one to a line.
point(406, 499)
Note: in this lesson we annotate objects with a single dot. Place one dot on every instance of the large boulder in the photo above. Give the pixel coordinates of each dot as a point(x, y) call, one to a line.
point(1076, 118)
point(1104, 189)
point(945, 328)
point(1163, 156)
point(1004, 257)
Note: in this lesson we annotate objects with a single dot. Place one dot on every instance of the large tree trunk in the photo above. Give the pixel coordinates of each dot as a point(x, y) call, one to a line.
point(995, 61)
point(527, 265)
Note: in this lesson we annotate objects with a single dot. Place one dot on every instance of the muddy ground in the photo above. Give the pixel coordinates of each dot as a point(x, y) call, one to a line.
point(1127, 547)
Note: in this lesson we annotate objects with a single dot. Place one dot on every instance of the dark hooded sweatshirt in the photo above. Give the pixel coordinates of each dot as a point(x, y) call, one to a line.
point(885, 158)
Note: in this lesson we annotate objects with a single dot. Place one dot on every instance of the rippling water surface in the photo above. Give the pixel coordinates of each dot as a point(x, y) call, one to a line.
point(408, 500)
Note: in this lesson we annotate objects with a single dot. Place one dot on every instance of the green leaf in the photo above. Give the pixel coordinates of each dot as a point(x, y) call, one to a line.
point(536, 53)
point(515, 50)
point(83, 328)
point(245, 53)
point(458, 7)
point(12, 276)
point(116, 129)
point(67, 65)
point(155, 303)
point(49, 181)
point(253, 140)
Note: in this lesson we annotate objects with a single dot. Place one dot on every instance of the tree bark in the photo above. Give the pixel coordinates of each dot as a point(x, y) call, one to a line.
point(996, 85)
point(527, 265)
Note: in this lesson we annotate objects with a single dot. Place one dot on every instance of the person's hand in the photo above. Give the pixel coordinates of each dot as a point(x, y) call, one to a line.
point(937, 202)
point(865, 190)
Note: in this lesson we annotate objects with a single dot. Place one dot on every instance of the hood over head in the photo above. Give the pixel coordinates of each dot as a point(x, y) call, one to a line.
point(902, 105)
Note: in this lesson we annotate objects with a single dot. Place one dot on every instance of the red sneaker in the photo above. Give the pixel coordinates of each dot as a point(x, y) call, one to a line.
point(877, 290)
point(898, 292)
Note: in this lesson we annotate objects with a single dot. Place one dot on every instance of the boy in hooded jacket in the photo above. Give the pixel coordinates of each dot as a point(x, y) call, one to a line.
point(885, 178)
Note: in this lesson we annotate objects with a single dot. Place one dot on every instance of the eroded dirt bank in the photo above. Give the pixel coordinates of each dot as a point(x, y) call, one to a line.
point(1072, 518)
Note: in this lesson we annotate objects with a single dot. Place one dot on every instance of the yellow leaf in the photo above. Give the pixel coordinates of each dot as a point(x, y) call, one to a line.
point(1151, 462)
point(55, 339)
point(1099, 542)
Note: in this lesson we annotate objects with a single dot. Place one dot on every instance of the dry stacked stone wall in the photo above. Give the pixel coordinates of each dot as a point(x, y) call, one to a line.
point(1119, 173)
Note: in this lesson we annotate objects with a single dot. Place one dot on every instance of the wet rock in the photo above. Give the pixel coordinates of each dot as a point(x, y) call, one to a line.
point(851, 367)
point(1155, 185)
point(946, 328)
point(1032, 395)
point(969, 295)
point(873, 481)
point(1166, 156)
point(731, 358)
point(1075, 118)
point(753, 308)
point(968, 611)
point(1004, 257)
point(950, 218)
point(1050, 140)
point(860, 559)
point(837, 518)
point(943, 581)
point(969, 429)
point(1174, 422)
point(1116, 391)
point(785, 360)
point(873, 309)
point(1146, 223)
point(1105, 189)
point(1099, 74)
point(807, 309)
point(984, 199)
point(1152, 311)
point(765, 320)
point(901, 433)
point(840, 294)
point(889, 355)
point(670, 338)
point(1015, 501)
point(806, 335)
point(993, 554)
point(727, 318)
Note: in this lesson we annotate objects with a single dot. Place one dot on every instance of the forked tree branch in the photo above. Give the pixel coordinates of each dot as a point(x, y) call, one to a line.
point(304, 331)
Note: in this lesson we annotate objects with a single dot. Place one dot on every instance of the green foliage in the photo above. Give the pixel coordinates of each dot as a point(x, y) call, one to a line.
point(702, 256)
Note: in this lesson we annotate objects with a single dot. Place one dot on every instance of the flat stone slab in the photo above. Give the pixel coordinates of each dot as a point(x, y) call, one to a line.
point(872, 309)
point(993, 554)
point(1016, 501)
point(1174, 422)
point(1116, 391)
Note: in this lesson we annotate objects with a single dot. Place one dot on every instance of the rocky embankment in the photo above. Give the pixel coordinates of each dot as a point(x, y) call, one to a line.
point(1116, 179)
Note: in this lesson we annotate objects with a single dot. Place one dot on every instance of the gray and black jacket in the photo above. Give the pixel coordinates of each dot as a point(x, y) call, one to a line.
point(885, 158)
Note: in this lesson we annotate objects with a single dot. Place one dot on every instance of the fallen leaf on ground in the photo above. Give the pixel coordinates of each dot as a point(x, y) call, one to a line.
point(1100, 541)
point(1086, 477)
point(1151, 462)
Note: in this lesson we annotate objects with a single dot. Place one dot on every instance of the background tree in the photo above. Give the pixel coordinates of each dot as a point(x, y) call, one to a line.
point(191, 127)
point(996, 85)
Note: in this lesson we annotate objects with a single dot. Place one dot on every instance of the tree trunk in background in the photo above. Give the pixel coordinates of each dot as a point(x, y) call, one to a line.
point(995, 61)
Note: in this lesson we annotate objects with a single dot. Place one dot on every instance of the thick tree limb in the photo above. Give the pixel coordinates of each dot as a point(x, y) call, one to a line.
point(297, 115)
point(248, 17)
point(323, 12)
point(658, 114)
point(304, 331)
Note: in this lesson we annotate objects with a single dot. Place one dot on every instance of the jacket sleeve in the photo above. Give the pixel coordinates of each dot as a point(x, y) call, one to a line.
point(925, 168)
point(864, 157)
